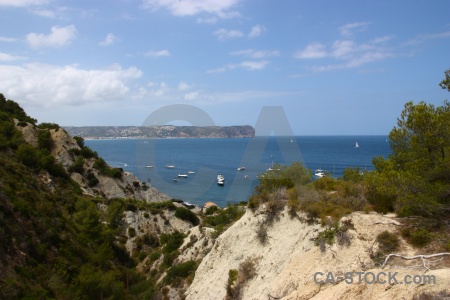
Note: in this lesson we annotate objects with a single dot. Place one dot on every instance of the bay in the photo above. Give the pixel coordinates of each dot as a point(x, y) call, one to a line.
point(208, 157)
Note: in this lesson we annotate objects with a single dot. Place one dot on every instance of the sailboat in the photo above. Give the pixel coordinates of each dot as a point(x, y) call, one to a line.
point(356, 146)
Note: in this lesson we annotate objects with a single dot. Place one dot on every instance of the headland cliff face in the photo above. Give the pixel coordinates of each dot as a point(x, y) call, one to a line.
point(166, 131)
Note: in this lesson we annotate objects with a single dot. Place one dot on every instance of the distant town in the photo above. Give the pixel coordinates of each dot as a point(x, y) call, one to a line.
point(165, 131)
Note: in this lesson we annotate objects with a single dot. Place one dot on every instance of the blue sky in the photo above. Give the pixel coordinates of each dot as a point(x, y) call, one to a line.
point(336, 67)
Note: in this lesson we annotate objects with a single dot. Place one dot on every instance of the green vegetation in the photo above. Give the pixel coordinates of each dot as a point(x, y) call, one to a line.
point(106, 170)
point(238, 278)
point(180, 271)
point(49, 126)
point(387, 243)
point(187, 215)
point(224, 218)
point(413, 181)
point(330, 234)
point(54, 242)
point(232, 276)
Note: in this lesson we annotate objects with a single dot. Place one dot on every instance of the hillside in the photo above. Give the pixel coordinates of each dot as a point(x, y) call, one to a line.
point(166, 131)
point(73, 227)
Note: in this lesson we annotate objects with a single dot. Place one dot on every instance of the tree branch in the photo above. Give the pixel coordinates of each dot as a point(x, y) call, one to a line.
point(423, 257)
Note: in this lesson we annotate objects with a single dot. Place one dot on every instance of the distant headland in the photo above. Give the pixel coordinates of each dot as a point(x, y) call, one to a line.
point(164, 131)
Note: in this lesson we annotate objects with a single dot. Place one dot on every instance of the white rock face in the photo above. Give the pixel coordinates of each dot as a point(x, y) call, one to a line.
point(287, 263)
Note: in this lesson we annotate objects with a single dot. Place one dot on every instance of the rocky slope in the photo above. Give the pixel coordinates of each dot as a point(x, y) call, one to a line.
point(167, 131)
point(128, 186)
point(284, 267)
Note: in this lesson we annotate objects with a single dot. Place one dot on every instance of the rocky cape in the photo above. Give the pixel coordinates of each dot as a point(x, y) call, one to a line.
point(128, 186)
point(166, 131)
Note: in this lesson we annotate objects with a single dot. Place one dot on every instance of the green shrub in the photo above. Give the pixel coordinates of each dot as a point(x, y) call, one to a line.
point(388, 242)
point(87, 152)
point(224, 217)
point(131, 232)
point(182, 270)
point(150, 240)
point(92, 179)
point(28, 155)
point(78, 166)
point(329, 235)
point(154, 255)
point(326, 184)
point(45, 140)
point(79, 140)
point(211, 210)
point(420, 238)
point(171, 241)
point(187, 215)
point(169, 258)
point(232, 276)
point(106, 170)
point(49, 126)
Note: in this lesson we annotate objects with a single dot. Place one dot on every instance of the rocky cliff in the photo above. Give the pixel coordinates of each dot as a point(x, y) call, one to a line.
point(167, 131)
point(66, 151)
point(284, 266)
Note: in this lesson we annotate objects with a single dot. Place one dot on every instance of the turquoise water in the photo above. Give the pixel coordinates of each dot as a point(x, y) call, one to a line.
point(208, 157)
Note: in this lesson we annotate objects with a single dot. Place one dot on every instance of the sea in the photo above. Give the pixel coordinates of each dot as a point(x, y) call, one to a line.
point(202, 159)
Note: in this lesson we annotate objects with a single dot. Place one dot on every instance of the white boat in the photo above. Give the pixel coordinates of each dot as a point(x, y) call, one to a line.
point(319, 173)
point(176, 179)
point(170, 167)
point(149, 166)
point(125, 165)
point(246, 176)
point(182, 175)
point(356, 145)
point(241, 168)
point(292, 140)
point(220, 179)
point(191, 172)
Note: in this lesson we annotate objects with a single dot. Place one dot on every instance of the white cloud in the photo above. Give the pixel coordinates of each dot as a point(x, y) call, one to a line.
point(210, 20)
point(192, 96)
point(342, 49)
point(7, 39)
point(183, 86)
point(48, 85)
point(351, 28)
point(59, 36)
point(192, 7)
point(9, 57)
point(223, 34)
point(248, 65)
point(253, 65)
point(22, 3)
point(45, 13)
point(348, 53)
point(256, 31)
point(425, 37)
point(314, 50)
point(109, 40)
point(256, 54)
point(159, 53)
point(382, 39)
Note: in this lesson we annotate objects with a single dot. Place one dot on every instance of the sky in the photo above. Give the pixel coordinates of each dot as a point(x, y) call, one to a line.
point(335, 67)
